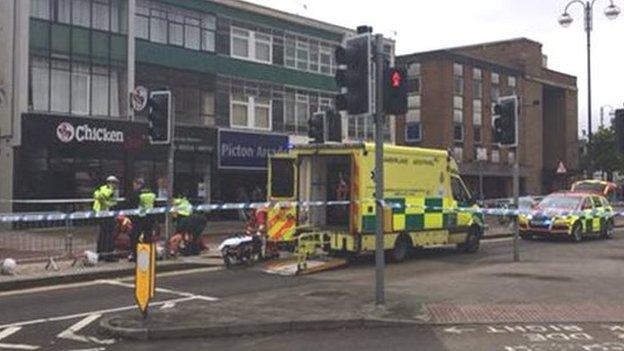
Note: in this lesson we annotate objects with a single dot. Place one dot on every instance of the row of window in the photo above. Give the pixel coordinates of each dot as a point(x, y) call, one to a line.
point(79, 89)
point(175, 26)
point(494, 155)
point(106, 15)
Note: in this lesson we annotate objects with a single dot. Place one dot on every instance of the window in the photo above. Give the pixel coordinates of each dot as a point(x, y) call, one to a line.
point(251, 45)
point(326, 55)
point(80, 86)
point(208, 108)
point(302, 55)
point(158, 26)
point(141, 21)
point(476, 130)
point(495, 78)
point(290, 45)
point(172, 25)
point(458, 79)
point(282, 178)
point(250, 112)
point(176, 29)
point(413, 77)
point(597, 202)
point(80, 13)
point(458, 132)
point(100, 87)
point(413, 128)
point(460, 193)
point(302, 111)
point(458, 153)
point(63, 11)
point(495, 156)
point(60, 86)
point(511, 81)
point(191, 33)
point(40, 9)
point(477, 84)
point(100, 14)
point(511, 156)
point(458, 109)
point(40, 84)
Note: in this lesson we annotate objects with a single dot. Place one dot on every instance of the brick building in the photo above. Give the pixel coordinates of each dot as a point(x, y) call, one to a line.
point(452, 93)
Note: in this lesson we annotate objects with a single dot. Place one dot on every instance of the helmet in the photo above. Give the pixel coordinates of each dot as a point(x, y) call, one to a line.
point(112, 179)
point(8, 266)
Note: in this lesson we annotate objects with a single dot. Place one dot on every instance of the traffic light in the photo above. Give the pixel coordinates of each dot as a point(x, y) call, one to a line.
point(333, 120)
point(159, 117)
point(395, 91)
point(505, 121)
point(316, 128)
point(618, 123)
point(353, 75)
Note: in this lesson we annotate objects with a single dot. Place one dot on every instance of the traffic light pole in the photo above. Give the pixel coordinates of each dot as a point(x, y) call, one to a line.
point(170, 175)
point(516, 188)
point(379, 172)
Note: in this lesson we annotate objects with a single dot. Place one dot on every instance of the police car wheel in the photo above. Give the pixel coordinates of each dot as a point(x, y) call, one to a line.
point(608, 230)
point(401, 248)
point(577, 233)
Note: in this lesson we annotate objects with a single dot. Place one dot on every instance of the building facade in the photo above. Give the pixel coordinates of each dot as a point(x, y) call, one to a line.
point(451, 97)
point(244, 79)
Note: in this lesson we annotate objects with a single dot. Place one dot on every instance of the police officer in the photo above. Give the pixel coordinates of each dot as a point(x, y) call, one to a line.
point(143, 200)
point(104, 200)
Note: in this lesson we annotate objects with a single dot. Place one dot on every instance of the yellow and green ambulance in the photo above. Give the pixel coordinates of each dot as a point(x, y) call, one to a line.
point(329, 189)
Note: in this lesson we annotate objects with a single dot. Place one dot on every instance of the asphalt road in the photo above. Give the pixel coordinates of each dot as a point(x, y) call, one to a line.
point(65, 317)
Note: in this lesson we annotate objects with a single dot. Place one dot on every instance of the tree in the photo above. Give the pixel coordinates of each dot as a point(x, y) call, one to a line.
point(604, 156)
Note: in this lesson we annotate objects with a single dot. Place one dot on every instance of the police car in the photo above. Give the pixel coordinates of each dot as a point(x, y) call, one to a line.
point(572, 214)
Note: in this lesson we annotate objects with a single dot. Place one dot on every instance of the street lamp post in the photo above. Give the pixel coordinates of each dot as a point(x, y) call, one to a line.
point(611, 12)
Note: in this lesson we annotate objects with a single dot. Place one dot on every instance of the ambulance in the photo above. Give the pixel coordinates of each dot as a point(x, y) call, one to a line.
point(330, 189)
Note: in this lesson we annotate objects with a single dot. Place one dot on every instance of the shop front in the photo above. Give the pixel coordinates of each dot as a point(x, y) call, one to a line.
point(242, 163)
point(67, 157)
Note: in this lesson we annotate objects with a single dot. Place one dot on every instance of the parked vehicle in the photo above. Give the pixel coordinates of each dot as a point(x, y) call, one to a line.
point(427, 201)
point(241, 248)
point(570, 214)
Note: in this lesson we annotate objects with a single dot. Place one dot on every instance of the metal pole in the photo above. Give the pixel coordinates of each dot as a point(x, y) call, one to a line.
point(516, 185)
point(588, 29)
point(379, 173)
point(170, 174)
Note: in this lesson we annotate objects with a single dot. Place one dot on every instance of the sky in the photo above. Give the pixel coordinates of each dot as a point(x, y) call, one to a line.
point(419, 25)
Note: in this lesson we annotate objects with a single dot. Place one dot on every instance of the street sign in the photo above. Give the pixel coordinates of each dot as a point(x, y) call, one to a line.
point(145, 275)
point(561, 168)
point(139, 98)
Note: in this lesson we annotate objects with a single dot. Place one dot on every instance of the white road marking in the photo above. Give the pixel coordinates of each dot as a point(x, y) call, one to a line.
point(168, 305)
point(163, 290)
point(96, 282)
point(91, 349)
point(71, 332)
point(457, 330)
point(10, 331)
point(84, 314)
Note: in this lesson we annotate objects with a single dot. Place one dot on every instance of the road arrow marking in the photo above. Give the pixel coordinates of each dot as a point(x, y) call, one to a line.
point(70, 333)
point(457, 330)
point(168, 305)
point(10, 331)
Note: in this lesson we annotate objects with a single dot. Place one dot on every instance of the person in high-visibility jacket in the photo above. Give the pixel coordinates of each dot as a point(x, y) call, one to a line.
point(104, 200)
point(143, 200)
point(189, 227)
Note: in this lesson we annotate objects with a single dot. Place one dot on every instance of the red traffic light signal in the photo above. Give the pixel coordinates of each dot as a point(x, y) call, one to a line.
point(395, 91)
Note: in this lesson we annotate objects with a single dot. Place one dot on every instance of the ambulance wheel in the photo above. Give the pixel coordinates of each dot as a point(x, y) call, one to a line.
point(607, 232)
point(402, 246)
point(471, 245)
point(577, 233)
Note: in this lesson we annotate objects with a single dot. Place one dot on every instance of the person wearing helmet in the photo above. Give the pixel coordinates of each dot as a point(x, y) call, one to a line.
point(104, 200)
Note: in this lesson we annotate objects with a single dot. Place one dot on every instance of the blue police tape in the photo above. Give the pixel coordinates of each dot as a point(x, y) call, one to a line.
point(59, 216)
